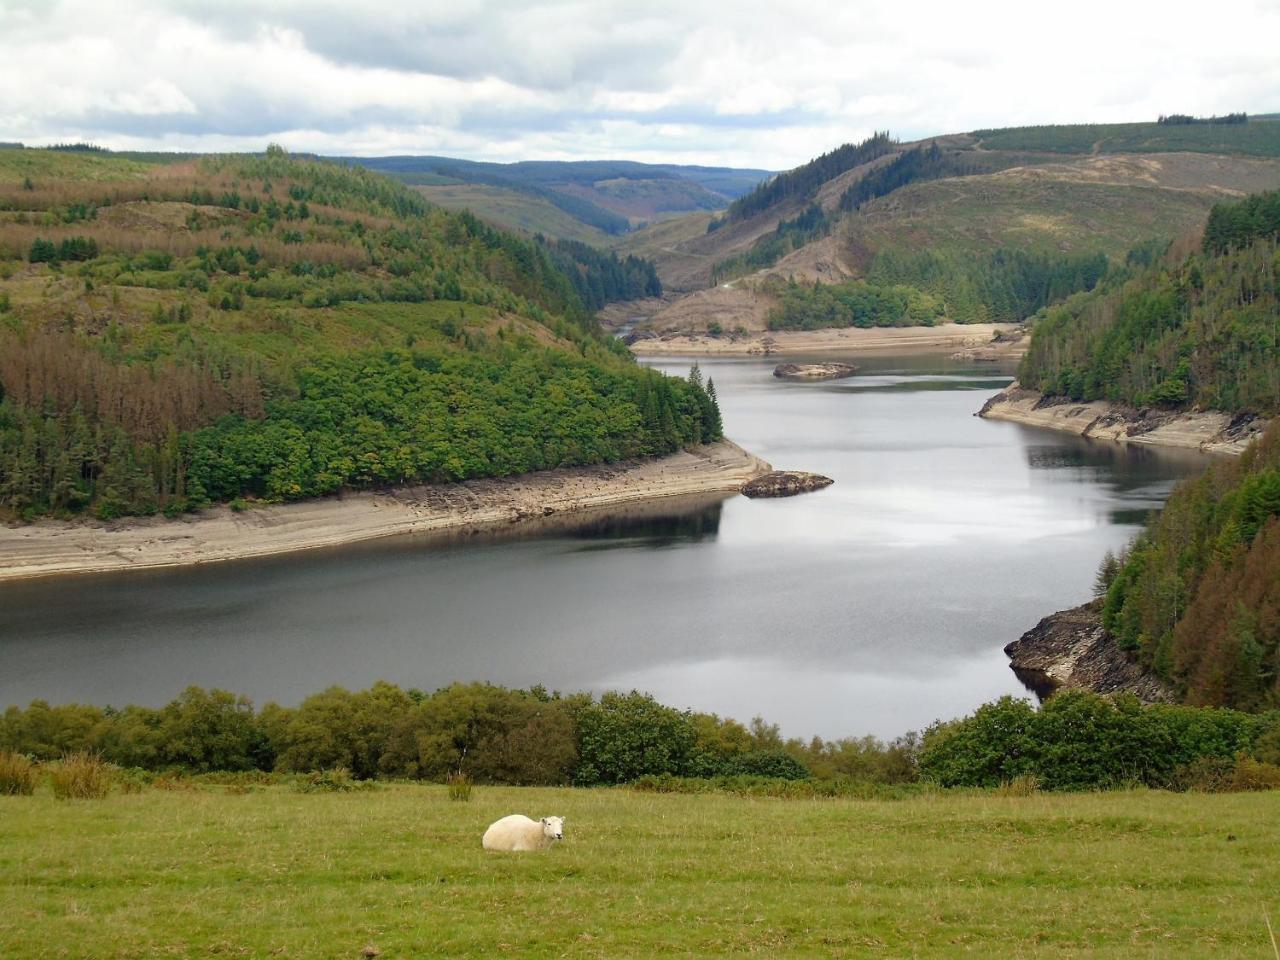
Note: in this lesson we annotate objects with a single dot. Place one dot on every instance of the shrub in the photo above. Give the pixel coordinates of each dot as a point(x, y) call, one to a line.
point(1082, 741)
point(1250, 774)
point(17, 774)
point(80, 776)
point(334, 780)
point(626, 736)
point(775, 764)
point(459, 785)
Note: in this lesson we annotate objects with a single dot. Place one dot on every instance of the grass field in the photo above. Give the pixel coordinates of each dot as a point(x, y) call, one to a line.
point(275, 873)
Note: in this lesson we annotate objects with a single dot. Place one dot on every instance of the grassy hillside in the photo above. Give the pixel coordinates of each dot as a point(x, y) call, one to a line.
point(1260, 137)
point(278, 327)
point(245, 871)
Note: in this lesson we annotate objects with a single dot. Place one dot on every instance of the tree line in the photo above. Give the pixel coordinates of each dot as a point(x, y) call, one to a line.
point(1003, 285)
point(1186, 119)
point(492, 734)
point(804, 181)
point(599, 278)
point(916, 165)
point(854, 303)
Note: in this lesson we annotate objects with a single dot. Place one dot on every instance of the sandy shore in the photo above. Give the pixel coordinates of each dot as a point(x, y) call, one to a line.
point(947, 336)
point(1210, 431)
point(52, 547)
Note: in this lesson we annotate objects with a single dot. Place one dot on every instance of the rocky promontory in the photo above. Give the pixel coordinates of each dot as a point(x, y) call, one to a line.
point(785, 483)
point(814, 371)
point(1212, 431)
point(1070, 650)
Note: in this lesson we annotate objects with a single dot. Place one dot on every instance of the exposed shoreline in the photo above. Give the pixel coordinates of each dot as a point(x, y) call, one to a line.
point(51, 547)
point(954, 336)
point(1070, 650)
point(1210, 431)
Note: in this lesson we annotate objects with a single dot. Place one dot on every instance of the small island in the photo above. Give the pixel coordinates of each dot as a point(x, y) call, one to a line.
point(785, 483)
point(814, 371)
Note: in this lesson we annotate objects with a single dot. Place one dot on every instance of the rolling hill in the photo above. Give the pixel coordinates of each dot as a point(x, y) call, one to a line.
point(578, 200)
point(929, 213)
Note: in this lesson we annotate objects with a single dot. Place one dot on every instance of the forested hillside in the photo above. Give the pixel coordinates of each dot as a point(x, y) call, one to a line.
point(1198, 331)
point(275, 327)
point(803, 182)
point(603, 197)
point(1197, 598)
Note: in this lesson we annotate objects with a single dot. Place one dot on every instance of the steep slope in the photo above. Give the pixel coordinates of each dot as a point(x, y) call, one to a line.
point(1198, 331)
point(265, 326)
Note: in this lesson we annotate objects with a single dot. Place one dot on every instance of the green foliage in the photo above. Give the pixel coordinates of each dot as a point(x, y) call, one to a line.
point(1082, 741)
point(409, 416)
point(854, 303)
point(1197, 598)
point(1236, 225)
point(599, 278)
point(626, 736)
point(1200, 333)
point(1001, 286)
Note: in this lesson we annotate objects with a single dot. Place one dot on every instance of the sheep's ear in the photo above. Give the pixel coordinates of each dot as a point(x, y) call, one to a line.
point(543, 821)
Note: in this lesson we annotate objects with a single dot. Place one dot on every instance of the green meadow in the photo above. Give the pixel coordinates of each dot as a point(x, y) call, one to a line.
point(266, 871)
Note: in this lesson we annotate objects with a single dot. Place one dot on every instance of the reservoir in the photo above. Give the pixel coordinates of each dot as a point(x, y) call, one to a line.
point(875, 606)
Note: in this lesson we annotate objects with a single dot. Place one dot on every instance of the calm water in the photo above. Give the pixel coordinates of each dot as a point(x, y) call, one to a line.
point(875, 606)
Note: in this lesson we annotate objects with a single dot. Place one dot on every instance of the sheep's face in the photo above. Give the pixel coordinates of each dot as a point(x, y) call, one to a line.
point(553, 828)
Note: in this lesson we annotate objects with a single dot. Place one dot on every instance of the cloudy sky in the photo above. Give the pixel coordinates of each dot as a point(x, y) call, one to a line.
point(739, 82)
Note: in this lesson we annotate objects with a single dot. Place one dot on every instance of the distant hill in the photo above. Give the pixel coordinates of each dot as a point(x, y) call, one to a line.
point(931, 213)
point(605, 197)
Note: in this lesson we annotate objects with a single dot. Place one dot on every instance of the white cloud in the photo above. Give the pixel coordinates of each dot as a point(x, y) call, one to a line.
point(753, 83)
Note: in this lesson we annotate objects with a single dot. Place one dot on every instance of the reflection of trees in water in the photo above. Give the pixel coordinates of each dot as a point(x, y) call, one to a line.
point(652, 529)
point(1139, 476)
point(1128, 466)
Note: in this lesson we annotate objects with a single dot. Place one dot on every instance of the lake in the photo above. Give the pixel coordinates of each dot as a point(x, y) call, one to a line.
point(875, 606)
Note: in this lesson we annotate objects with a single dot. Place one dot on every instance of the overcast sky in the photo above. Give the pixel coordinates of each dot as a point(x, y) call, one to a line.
point(762, 84)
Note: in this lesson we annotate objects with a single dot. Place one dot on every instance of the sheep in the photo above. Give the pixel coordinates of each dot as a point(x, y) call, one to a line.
point(518, 832)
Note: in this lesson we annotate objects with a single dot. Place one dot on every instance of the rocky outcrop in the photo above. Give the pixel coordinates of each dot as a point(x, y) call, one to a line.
point(1211, 431)
point(785, 483)
point(814, 371)
point(1071, 650)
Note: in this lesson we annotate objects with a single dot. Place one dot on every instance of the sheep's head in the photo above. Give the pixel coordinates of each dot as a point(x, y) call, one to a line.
point(553, 828)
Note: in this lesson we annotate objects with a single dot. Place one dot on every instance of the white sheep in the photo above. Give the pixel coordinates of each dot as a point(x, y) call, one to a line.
point(518, 832)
